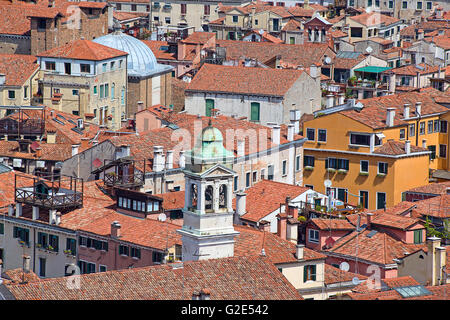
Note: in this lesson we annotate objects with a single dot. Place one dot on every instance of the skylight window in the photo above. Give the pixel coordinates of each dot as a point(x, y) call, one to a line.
point(413, 291)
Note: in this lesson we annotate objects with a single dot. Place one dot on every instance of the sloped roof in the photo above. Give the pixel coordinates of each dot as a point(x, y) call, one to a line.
point(243, 80)
point(373, 19)
point(438, 207)
point(432, 188)
point(335, 275)
point(395, 148)
point(83, 50)
point(412, 69)
point(333, 224)
point(17, 68)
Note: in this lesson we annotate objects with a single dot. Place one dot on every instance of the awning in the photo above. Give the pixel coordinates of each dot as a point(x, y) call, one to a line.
point(372, 69)
point(380, 135)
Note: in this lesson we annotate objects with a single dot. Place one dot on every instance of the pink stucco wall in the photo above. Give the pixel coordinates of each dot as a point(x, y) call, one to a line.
point(323, 236)
point(146, 120)
point(362, 268)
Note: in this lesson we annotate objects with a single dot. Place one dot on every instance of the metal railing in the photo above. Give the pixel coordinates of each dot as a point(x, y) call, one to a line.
point(48, 200)
point(115, 180)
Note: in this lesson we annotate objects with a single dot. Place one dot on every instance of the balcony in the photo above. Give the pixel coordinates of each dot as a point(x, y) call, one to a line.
point(23, 121)
point(123, 172)
point(66, 192)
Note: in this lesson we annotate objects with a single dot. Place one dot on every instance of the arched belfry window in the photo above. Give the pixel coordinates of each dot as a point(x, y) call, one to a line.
point(209, 198)
point(194, 195)
point(223, 194)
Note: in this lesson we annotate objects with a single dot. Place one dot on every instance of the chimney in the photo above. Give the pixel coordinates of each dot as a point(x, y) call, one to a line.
point(38, 152)
point(182, 159)
point(84, 143)
point(241, 203)
point(418, 109)
point(169, 159)
point(158, 159)
point(314, 71)
point(407, 147)
point(341, 98)
point(52, 216)
point(18, 209)
point(57, 218)
point(291, 210)
point(424, 143)
point(299, 251)
point(51, 136)
point(330, 100)
point(264, 226)
point(35, 214)
point(390, 114)
point(115, 229)
point(26, 263)
point(295, 119)
point(406, 108)
point(392, 84)
point(75, 149)
point(10, 210)
point(276, 135)
point(140, 106)
point(369, 220)
point(290, 132)
point(240, 148)
point(282, 225)
point(52, 113)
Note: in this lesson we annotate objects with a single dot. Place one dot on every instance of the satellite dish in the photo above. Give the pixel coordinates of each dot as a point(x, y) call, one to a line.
point(327, 60)
point(369, 49)
point(327, 183)
point(162, 217)
point(355, 281)
point(344, 266)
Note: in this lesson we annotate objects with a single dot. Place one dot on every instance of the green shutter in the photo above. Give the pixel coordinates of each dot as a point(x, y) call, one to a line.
point(305, 273)
point(313, 276)
point(209, 107)
point(254, 112)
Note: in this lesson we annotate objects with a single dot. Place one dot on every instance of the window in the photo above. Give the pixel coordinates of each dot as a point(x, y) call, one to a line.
point(42, 23)
point(343, 164)
point(254, 112)
point(122, 96)
point(284, 167)
point(291, 40)
point(102, 91)
point(42, 240)
point(256, 22)
point(422, 127)
point(206, 9)
point(133, 7)
point(101, 268)
point(297, 163)
point(53, 242)
point(419, 5)
point(436, 126)
point(381, 200)
point(86, 267)
point(118, 6)
point(391, 4)
point(124, 250)
point(2, 229)
point(412, 130)
point(369, 3)
point(405, 5)
point(42, 267)
point(25, 92)
point(135, 253)
point(443, 150)
point(254, 176)
point(106, 90)
point(308, 161)
point(50, 65)
point(247, 180)
point(270, 172)
point(382, 167)
point(364, 166)
point(402, 134)
point(236, 179)
point(322, 135)
point(167, 20)
point(360, 139)
point(22, 234)
point(11, 94)
point(418, 236)
point(263, 174)
point(309, 273)
point(331, 163)
point(235, 19)
point(74, 92)
point(313, 236)
point(85, 68)
point(429, 5)
point(183, 8)
point(364, 199)
point(433, 152)
point(113, 89)
point(71, 245)
point(311, 134)
point(209, 107)
point(356, 32)
point(83, 241)
point(104, 67)
point(377, 3)
point(342, 194)
point(157, 257)
point(95, 89)
point(443, 128)
point(430, 126)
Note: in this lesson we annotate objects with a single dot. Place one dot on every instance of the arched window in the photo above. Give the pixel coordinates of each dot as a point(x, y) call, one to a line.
point(223, 194)
point(194, 196)
point(209, 198)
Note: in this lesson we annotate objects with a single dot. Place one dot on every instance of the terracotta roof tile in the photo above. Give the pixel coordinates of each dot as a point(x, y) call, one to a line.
point(292, 25)
point(437, 293)
point(83, 50)
point(373, 19)
point(432, 188)
point(17, 68)
point(332, 224)
point(226, 279)
point(412, 69)
point(265, 197)
point(395, 148)
point(13, 276)
point(438, 207)
point(156, 46)
point(335, 275)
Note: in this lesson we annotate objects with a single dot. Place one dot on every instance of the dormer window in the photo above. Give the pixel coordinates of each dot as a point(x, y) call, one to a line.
point(137, 201)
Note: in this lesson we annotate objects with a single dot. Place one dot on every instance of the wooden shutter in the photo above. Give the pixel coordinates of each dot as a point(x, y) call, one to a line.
point(209, 107)
point(254, 112)
point(305, 273)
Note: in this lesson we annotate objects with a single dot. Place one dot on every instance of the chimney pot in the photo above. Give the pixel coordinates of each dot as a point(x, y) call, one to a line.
point(290, 133)
point(418, 108)
point(169, 159)
point(390, 114)
point(26, 263)
point(115, 229)
point(406, 109)
point(299, 251)
point(241, 203)
point(276, 134)
point(369, 220)
point(407, 147)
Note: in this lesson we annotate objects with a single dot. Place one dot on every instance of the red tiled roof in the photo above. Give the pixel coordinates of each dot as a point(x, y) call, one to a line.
point(297, 11)
point(380, 248)
point(394, 221)
point(437, 293)
point(395, 148)
point(7, 193)
point(13, 276)
point(265, 197)
point(374, 112)
point(338, 33)
point(155, 46)
point(83, 50)
point(440, 41)
point(412, 69)
point(259, 81)
point(292, 25)
point(333, 224)
point(345, 63)
point(172, 200)
point(198, 37)
point(17, 68)
point(386, 284)
point(438, 207)
point(373, 19)
point(123, 16)
point(432, 188)
point(229, 278)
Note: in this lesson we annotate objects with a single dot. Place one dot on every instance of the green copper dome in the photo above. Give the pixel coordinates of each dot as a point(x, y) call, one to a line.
point(208, 151)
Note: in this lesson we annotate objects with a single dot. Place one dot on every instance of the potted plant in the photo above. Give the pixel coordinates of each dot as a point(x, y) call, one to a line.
point(343, 171)
point(68, 252)
point(363, 173)
point(381, 175)
point(331, 170)
point(301, 219)
point(308, 168)
point(38, 245)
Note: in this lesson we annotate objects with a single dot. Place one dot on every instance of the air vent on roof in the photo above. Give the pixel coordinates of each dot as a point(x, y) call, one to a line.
point(372, 233)
point(72, 122)
point(361, 227)
point(77, 130)
point(59, 121)
point(60, 116)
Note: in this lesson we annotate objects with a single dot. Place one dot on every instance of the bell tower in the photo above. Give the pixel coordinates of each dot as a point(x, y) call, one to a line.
point(207, 231)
